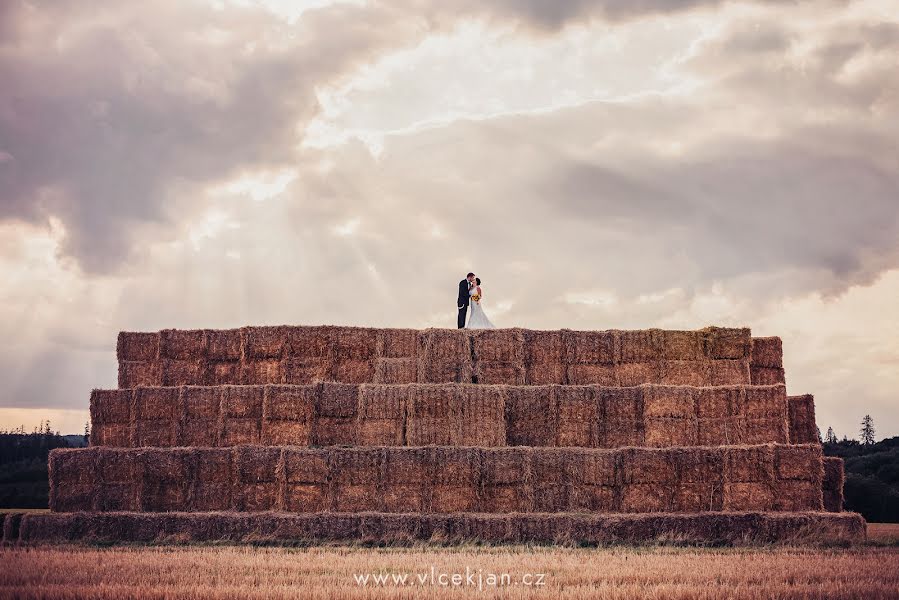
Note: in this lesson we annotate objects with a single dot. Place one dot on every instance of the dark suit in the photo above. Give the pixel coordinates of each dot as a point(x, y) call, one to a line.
point(462, 304)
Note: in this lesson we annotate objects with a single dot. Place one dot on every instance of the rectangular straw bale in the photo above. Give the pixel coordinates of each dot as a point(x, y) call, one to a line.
point(550, 465)
point(200, 408)
point(166, 476)
point(356, 343)
point(394, 371)
point(743, 496)
point(531, 416)
point(242, 413)
point(335, 431)
point(543, 347)
point(622, 404)
point(621, 433)
point(306, 498)
point(685, 372)
point(699, 465)
point(434, 415)
point(261, 371)
point(767, 375)
point(134, 373)
point(110, 406)
point(798, 495)
point(213, 484)
point(499, 345)
point(224, 344)
point(287, 414)
point(408, 473)
point(590, 467)
point(582, 374)
point(640, 346)
point(665, 432)
point(456, 481)
point(337, 400)
point(668, 401)
point(356, 474)
point(767, 352)
point(221, 372)
point(727, 343)
point(258, 485)
point(264, 342)
point(579, 415)
point(833, 484)
point(719, 402)
point(306, 473)
point(643, 497)
point(749, 464)
point(698, 497)
point(445, 357)
point(176, 372)
point(590, 347)
point(682, 345)
point(156, 413)
point(305, 371)
point(592, 498)
point(765, 402)
point(311, 342)
point(111, 434)
point(801, 411)
point(799, 462)
point(137, 346)
point(482, 416)
point(499, 373)
point(182, 344)
point(550, 498)
point(545, 373)
point(506, 480)
point(729, 372)
point(725, 431)
point(73, 475)
point(766, 431)
point(381, 415)
point(355, 371)
point(398, 343)
point(635, 373)
point(645, 465)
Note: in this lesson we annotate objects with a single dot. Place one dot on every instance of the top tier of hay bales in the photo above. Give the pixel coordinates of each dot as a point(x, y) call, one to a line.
point(302, 355)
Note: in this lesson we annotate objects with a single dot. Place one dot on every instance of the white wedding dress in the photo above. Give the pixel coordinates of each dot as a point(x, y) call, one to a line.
point(477, 320)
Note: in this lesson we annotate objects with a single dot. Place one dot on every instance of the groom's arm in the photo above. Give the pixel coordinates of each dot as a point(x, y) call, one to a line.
point(463, 292)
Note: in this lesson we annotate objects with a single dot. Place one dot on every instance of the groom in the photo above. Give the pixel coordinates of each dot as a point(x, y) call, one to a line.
point(464, 286)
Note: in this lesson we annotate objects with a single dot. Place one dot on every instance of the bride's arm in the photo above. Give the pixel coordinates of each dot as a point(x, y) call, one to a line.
point(480, 295)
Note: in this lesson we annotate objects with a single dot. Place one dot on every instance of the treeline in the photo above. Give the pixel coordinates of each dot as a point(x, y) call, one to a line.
point(872, 477)
point(23, 465)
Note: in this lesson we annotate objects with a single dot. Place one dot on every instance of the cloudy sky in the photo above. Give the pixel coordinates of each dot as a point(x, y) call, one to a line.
point(600, 164)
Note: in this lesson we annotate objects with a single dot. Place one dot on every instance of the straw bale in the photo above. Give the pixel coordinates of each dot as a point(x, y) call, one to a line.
point(183, 372)
point(499, 345)
point(531, 416)
point(767, 375)
point(725, 431)
point(482, 416)
point(166, 479)
point(802, 419)
point(635, 373)
point(356, 343)
point(73, 497)
point(767, 352)
point(200, 409)
point(135, 346)
point(765, 431)
point(640, 346)
point(434, 415)
point(304, 371)
point(117, 467)
point(589, 347)
point(395, 371)
point(621, 432)
point(221, 372)
point(398, 343)
point(287, 414)
point(335, 431)
point(766, 402)
point(668, 401)
point(592, 498)
point(264, 342)
point(544, 373)
point(446, 356)
point(456, 480)
point(644, 497)
point(500, 373)
point(799, 462)
point(748, 496)
point(212, 486)
point(579, 415)
point(551, 497)
point(582, 374)
point(337, 400)
point(729, 372)
point(699, 465)
point(256, 464)
point(162, 433)
point(74, 466)
point(156, 403)
point(682, 345)
point(261, 371)
point(307, 466)
point(306, 498)
point(223, 344)
point(727, 343)
point(590, 467)
point(665, 432)
point(216, 465)
point(355, 371)
point(111, 434)
point(507, 497)
point(833, 484)
point(550, 465)
point(406, 497)
point(645, 465)
point(181, 344)
point(749, 464)
point(622, 404)
point(110, 406)
point(134, 373)
point(284, 432)
point(543, 347)
point(358, 498)
point(685, 372)
point(719, 402)
point(311, 342)
point(796, 495)
point(354, 466)
point(382, 414)
point(506, 480)
point(409, 465)
point(698, 497)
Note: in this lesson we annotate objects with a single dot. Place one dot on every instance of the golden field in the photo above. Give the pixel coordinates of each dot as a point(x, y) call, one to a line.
point(869, 571)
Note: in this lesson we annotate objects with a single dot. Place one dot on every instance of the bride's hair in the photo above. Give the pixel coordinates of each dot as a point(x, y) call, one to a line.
point(477, 280)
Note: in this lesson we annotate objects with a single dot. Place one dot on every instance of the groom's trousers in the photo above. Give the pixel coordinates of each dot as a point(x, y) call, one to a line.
point(462, 312)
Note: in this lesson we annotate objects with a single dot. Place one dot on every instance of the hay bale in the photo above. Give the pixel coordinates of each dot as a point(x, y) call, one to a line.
point(665, 432)
point(682, 346)
point(589, 347)
point(590, 467)
point(727, 431)
point(699, 465)
point(542, 347)
point(833, 484)
point(582, 374)
point(242, 414)
point(355, 371)
point(306, 498)
point(531, 416)
point(307, 484)
point(445, 356)
point(579, 415)
point(499, 373)
point(335, 415)
point(434, 415)
point(305, 371)
point(803, 463)
point(408, 473)
point(592, 498)
point(110, 412)
point(766, 402)
point(176, 372)
point(222, 372)
point(156, 413)
point(685, 372)
point(635, 373)
point(749, 464)
point(767, 375)
point(506, 480)
point(264, 342)
point(257, 475)
point(640, 346)
point(73, 474)
point(481, 416)
point(398, 343)
point(643, 497)
point(182, 345)
point(261, 371)
point(311, 342)
point(544, 373)
point(740, 496)
point(622, 433)
point(798, 495)
point(729, 372)
point(622, 404)
point(766, 431)
point(356, 343)
point(645, 465)
point(212, 486)
point(382, 411)
point(801, 410)
point(668, 401)
point(727, 343)
point(456, 480)
point(395, 371)
point(499, 345)
point(200, 409)
point(132, 346)
point(133, 374)
point(224, 344)
point(165, 479)
point(356, 476)
point(288, 414)
point(719, 402)
point(767, 352)
point(698, 497)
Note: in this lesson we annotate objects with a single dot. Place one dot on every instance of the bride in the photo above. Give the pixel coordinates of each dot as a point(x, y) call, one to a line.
point(478, 319)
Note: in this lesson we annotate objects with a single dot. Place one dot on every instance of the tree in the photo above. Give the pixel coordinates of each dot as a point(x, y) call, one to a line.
point(831, 437)
point(87, 432)
point(867, 430)
point(818, 431)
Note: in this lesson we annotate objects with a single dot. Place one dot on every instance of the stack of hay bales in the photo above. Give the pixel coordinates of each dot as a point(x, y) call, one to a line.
point(338, 433)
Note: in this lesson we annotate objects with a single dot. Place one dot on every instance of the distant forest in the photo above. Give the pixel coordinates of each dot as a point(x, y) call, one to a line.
point(24, 481)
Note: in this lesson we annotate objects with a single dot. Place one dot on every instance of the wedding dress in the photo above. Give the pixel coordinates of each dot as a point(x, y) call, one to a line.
point(478, 319)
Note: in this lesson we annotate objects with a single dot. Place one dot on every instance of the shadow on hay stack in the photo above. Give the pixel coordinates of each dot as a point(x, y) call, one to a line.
point(312, 434)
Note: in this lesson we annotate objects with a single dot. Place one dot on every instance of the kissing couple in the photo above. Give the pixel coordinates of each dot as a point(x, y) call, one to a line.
point(470, 295)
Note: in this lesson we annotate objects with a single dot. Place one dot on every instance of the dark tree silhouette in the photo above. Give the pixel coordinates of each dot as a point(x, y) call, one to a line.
point(867, 430)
